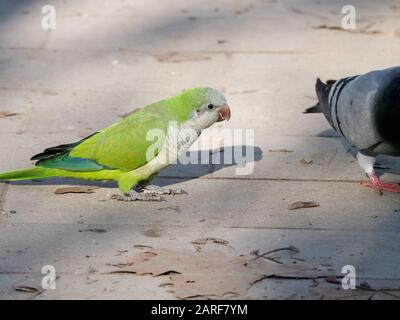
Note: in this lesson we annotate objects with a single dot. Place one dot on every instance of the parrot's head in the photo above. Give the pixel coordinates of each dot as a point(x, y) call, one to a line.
point(207, 106)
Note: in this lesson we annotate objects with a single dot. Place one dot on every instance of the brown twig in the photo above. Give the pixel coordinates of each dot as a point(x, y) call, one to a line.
point(290, 248)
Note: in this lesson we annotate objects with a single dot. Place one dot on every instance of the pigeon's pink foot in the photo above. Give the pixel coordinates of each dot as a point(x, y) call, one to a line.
point(378, 185)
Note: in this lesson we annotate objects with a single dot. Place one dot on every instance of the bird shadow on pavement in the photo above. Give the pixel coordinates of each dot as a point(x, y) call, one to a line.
point(384, 164)
point(207, 162)
point(193, 165)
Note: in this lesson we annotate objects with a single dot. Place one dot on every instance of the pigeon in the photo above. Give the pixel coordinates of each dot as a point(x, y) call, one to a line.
point(365, 110)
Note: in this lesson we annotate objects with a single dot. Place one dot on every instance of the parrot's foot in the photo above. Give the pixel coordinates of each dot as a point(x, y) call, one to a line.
point(375, 183)
point(154, 190)
point(136, 196)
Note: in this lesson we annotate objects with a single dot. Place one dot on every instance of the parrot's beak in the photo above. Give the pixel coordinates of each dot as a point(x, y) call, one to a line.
point(224, 113)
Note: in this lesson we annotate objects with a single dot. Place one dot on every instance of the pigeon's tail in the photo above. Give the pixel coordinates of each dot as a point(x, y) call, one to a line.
point(322, 90)
point(314, 109)
point(27, 174)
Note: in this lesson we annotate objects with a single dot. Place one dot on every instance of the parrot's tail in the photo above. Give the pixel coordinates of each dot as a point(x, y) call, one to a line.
point(27, 174)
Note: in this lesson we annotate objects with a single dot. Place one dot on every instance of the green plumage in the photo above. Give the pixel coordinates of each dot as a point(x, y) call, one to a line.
point(117, 152)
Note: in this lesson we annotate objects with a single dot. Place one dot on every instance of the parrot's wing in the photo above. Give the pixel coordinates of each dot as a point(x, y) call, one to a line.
point(121, 146)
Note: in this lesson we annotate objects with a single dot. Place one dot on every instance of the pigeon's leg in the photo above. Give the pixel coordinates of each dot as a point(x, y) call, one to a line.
point(378, 185)
point(367, 163)
point(156, 190)
point(133, 195)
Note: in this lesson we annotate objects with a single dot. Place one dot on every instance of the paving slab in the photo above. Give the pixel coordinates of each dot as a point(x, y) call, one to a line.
point(86, 256)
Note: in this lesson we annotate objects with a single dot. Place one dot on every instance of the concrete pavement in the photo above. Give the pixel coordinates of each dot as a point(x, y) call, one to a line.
point(107, 58)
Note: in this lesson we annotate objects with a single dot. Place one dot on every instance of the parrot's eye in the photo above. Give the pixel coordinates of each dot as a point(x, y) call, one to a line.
point(210, 106)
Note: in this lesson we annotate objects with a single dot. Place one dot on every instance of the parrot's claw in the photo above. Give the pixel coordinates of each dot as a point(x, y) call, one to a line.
point(154, 190)
point(136, 196)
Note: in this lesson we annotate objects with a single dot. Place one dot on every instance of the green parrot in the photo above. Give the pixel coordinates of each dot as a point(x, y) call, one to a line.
point(127, 152)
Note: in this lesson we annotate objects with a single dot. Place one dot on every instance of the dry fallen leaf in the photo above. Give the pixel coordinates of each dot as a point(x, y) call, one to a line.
point(306, 160)
point(79, 189)
point(303, 204)
point(176, 57)
point(362, 31)
point(204, 241)
point(95, 230)
point(141, 246)
point(4, 114)
point(280, 150)
point(141, 257)
point(365, 285)
point(324, 26)
point(332, 279)
point(26, 288)
point(340, 294)
point(198, 243)
point(173, 208)
point(212, 274)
